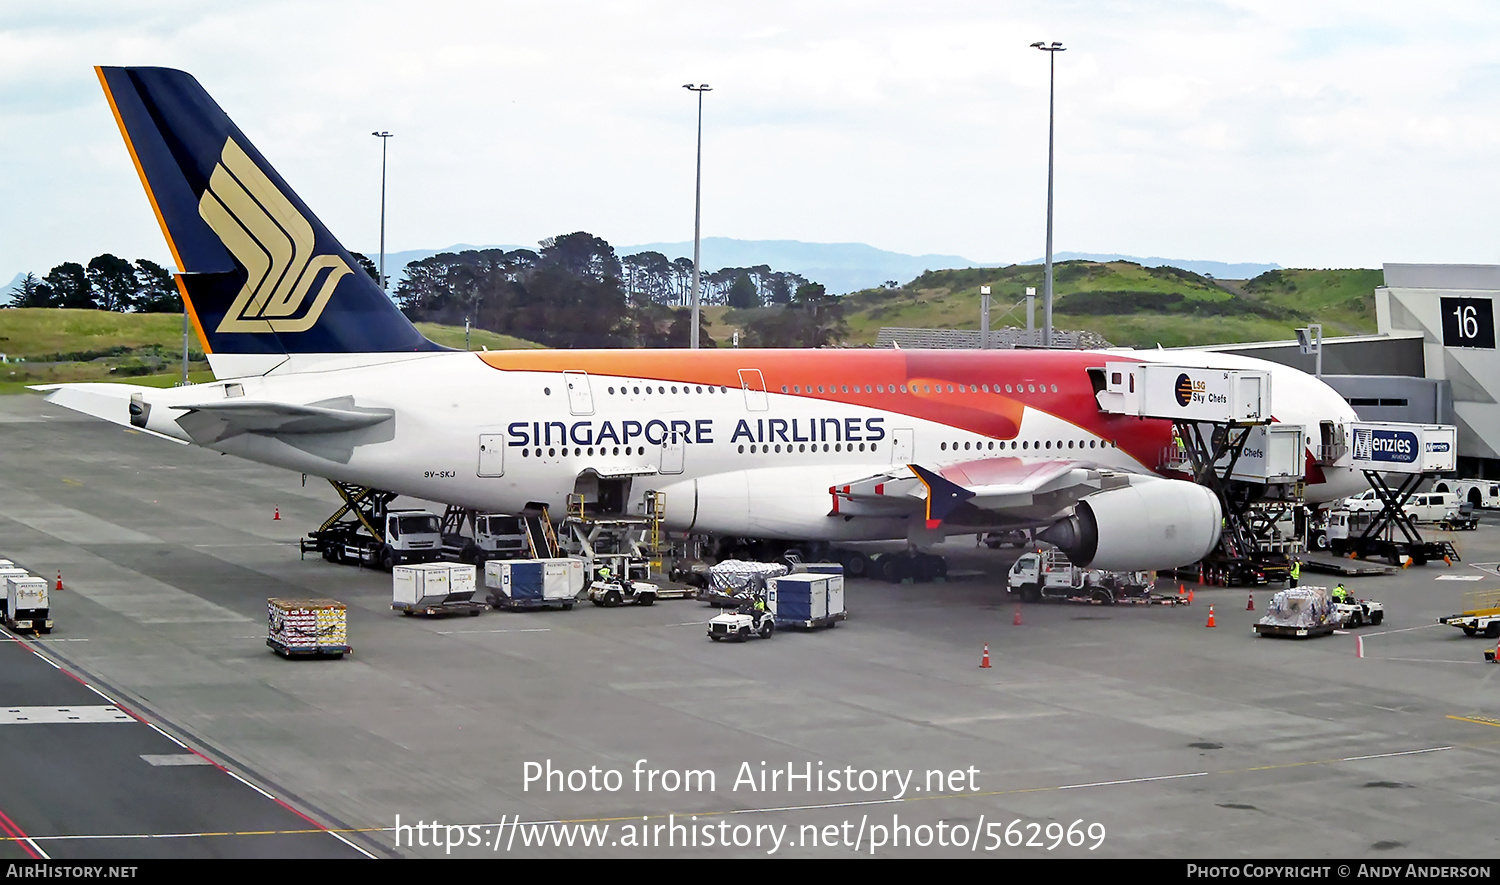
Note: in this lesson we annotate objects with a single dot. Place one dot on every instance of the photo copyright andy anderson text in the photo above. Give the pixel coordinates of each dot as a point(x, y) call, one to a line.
point(869, 833)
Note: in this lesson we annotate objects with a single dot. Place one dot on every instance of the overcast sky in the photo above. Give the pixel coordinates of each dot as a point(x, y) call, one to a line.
point(1327, 134)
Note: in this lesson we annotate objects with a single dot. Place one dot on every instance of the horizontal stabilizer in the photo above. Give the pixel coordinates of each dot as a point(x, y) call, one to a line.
point(102, 399)
point(97, 398)
point(211, 422)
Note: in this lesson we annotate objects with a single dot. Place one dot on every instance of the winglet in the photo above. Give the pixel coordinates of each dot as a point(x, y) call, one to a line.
point(943, 496)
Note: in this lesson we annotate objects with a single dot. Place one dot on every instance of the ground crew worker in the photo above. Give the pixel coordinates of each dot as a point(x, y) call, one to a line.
point(1340, 594)
point(605, 574)
point(760, 604)
point(1296, 572)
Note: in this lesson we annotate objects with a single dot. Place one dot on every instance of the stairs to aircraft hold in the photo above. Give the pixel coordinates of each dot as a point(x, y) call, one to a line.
point(541, 538)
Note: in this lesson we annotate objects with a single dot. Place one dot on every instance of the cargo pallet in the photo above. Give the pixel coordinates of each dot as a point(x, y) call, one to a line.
point(675, 590)
point(440, 609)
point(308, 651)
point(1295, 632)
point(501, 601)
point(829, 621)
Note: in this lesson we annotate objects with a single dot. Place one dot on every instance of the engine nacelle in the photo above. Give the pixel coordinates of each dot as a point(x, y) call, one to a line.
point(1159, 524)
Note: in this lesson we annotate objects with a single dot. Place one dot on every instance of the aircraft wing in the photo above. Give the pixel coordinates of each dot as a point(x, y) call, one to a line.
point(1099, 516)
point(1027, 491)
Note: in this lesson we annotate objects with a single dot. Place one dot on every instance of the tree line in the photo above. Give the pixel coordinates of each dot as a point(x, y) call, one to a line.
point(105, 283)
point(573, 291)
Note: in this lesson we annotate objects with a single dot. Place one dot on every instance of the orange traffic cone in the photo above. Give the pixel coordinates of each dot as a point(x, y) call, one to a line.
point(278, 514)
point(1250, 606)
point(984, 664)
point(59, 580)
point(1180, 591)
point(1200, 574)
point(1211, 617)
point(1016, 621)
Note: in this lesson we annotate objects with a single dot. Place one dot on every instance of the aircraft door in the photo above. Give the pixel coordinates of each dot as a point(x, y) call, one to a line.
point(673, 450)
point(901, 445)
point(491, 454)
point(754, 385)
point(580, 395)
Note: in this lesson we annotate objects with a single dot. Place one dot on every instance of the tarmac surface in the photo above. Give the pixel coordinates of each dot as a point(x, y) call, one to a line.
point(1126, 731)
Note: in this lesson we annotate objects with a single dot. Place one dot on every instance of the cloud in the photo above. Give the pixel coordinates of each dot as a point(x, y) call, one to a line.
point(1331, 134)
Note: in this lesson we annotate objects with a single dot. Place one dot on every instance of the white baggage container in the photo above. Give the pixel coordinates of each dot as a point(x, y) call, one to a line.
point(421, 584)
point(534, 583)
point(462, 582)
point(806, 600)
point(26, 604)
point(7, 572)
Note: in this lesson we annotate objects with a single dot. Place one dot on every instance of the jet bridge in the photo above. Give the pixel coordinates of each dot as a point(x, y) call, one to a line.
point(1224, 439)
point(1412, 453)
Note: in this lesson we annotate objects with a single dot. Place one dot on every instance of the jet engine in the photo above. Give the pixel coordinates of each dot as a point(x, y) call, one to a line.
point(1157, 524)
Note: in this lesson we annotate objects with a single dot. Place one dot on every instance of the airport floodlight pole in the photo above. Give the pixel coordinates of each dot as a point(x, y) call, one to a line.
point(1052, 51)
point(697, 210)
point(1310, 339)
point(383, 136)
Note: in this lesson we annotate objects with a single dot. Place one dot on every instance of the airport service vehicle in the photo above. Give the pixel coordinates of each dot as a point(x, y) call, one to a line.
point(496, 536)
point(405, 536)
point(1011, 538)
point(610, 594)
point(520, 584)
point(1481, 614)
point(1421, 507)
point(806, 600)
point(319, 373)
point(26, 604)
point(1462, 520)
point(1360, 612)
point(1482, 493)
point(742, 624)
point(1049, 574)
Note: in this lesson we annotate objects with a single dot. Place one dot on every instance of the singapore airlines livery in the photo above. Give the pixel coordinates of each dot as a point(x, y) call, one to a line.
point(319, 373)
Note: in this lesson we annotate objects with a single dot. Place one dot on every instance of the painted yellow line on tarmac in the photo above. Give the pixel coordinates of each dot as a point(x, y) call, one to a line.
point(1478, 720)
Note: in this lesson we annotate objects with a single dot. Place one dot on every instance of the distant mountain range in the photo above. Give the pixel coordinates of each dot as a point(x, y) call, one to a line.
point(7, 291)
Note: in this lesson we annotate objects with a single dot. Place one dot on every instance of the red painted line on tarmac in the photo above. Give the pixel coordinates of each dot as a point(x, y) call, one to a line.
point(16, 833)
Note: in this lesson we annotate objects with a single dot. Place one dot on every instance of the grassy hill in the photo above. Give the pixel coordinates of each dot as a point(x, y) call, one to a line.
point(1129, 304)
point(49, 346)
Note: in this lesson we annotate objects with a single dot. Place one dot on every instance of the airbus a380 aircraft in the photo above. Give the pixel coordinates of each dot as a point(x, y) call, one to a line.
point(319, 373)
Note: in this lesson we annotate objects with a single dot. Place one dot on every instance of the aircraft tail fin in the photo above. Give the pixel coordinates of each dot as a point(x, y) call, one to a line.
point(257, 270)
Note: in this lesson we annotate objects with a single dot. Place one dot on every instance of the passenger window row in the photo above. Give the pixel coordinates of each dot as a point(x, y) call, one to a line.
point(802, 447)
point(1027, 444)
point(916, 388)
point(578, 451)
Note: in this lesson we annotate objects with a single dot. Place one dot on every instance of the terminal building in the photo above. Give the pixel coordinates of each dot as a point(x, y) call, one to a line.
point(1432, 361)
